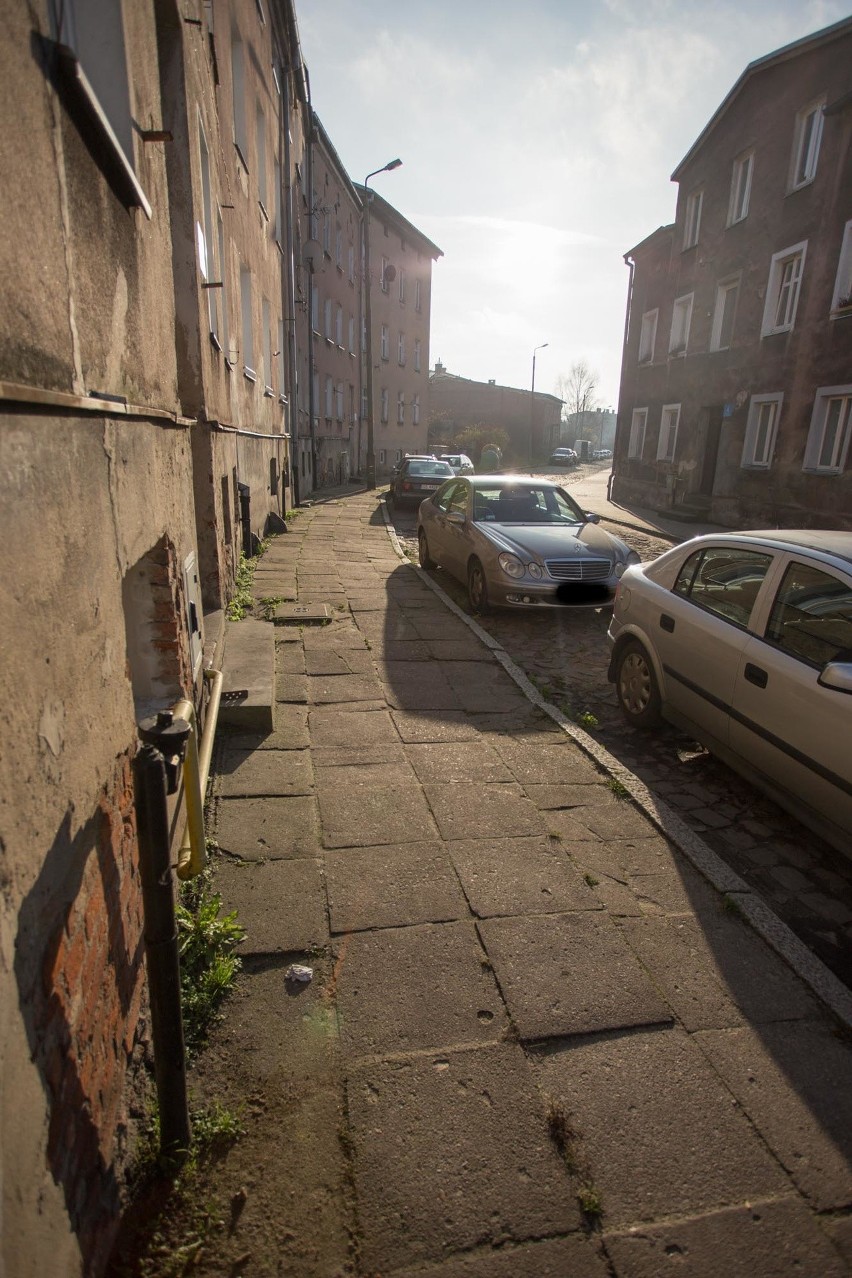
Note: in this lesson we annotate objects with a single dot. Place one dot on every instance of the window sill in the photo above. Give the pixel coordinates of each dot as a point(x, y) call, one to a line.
point(262, 207)
point(822, 472)
point(268, 392)
point(242, 158)
point(775, 332)
point(215, 343)
point(841, 312)
point(249, 374)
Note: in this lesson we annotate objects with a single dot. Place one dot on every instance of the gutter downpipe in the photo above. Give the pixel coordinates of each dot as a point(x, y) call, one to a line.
point(192, 853)
point(312, 407)
point(631, 266)
point(288, 281)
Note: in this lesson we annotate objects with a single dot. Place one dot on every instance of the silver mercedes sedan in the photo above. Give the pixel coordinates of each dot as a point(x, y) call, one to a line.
point(516, 541)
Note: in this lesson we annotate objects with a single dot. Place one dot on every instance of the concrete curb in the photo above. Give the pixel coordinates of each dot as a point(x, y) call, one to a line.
point(825, 985)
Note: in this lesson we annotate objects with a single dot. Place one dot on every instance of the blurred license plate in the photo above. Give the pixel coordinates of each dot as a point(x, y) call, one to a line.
point(429, 488)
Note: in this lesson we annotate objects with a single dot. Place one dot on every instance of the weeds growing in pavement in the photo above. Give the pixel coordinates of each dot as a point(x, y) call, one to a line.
point(591, 880)
point(242, 600)
point(268, 604)
point(207, 940)
point(587, 720)
point(617, 788)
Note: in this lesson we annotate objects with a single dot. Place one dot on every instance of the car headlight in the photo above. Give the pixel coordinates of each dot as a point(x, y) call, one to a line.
point(511, 564)
point(631, 559)
point(534, 570)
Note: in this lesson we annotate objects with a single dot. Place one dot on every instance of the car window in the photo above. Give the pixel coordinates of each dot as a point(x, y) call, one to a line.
point(724, 580)
point(445, 495)
point(429, 469)
point(458, 499)
point(811, 617)
point(525, 504)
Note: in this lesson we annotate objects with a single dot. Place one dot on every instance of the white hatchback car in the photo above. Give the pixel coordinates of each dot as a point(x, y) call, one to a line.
point(745, 641)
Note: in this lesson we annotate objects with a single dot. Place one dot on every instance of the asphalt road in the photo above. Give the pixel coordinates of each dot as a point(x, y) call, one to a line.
point(565, 654)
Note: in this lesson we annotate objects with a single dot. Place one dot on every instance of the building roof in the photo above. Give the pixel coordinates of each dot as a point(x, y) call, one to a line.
point(328, 146)
point(649, 240)
point(440, 374)
point(384, 211)
point(789, 51)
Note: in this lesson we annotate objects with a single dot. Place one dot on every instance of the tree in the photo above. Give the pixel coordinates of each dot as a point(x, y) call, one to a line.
point(579, 392)
point(473, 439)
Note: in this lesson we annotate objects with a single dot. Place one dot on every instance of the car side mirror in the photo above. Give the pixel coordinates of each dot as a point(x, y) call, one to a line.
point(456, 517)
point(592, 518)
point(836, 675)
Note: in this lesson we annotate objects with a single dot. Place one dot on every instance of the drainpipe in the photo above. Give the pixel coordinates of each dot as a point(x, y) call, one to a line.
point(192, 854)
point(288, 281)
point(312, 406)
point(631, 266)
point(155, 771)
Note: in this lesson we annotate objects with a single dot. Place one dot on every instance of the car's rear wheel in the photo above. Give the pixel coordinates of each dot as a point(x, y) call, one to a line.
point(636, 686)
point(426, 560)
point(477, 588)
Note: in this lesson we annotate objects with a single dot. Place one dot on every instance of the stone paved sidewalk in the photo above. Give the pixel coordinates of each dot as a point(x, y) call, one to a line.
point(538, 1041)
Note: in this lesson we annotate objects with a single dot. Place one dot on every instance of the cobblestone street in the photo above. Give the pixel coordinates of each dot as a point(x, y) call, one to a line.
point(565, 654)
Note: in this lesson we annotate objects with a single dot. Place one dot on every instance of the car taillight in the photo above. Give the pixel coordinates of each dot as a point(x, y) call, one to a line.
point(406, 484)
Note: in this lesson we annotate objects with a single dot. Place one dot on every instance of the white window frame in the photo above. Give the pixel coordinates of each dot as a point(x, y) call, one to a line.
point(724, 289)
point(223, 271)
point(351, 264)
point(385, 265)
point(260, 147)
point(823, 399)
point(415, 410)
point(418, 305)
point(779, 283)
point(648, 337)
point(384, 345)
point(400, 408)
point(206, 258)
point(681, 324)
point(266, 320)
point(338, 325)
point(400, 349)
point(352, 350)
point(417, 349)
point(238, 95)
point(843, 279)
point(806, 144)
point(329, 320)
point(401, 278)
point(385, 404)
point(638, 427)
point(764, 413)
point(741, 176)
point(668, 454)
point(692, 219)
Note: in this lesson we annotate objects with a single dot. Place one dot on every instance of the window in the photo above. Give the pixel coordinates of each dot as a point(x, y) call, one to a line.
point(238, 91)
point(248, 332)
point(385, 265)
point(400, 349)
point(668, 432)
point(276, 194)
point(761, 431)
point(267, 346)
point(842, 296)
point(382, 457)
point(329, 330)
point(279, 356)
point(385, 342)
point(828, 438)
point(418, 305)
point(351, 334)
point(400, 408)
point(384, 404)
point(340, 393)
point(326, 235)
point(782, 290)
point(316, 404)
point(338, 326)
point(338, 247)
point(681, 318)
point(636, 445)
point(315, 309)
point(260, 146)
point(417, 348)
point(401, 285)
point(351, 264)
point(329, 397)
point(811, 617)
point(722, 332)
point(205, 236)
point(723, 580)
point(692, 224)
point(415, 410)
point(648, 337)
point(740, 188)
point(807, 136)
point(226, 328)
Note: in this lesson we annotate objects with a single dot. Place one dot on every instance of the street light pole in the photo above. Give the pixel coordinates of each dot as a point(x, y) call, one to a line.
point(371, 445)
point(532, 399)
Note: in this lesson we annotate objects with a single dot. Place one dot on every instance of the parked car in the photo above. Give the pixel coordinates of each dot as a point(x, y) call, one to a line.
point(418, 476)
point(744, 640)
point(410, 457)
point(601, 454)
point(460, 462)
point(520, 542)
point(563, 457)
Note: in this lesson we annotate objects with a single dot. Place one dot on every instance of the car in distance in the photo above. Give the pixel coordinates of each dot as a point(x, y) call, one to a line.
point(563, 457)
point(460, 462)
point(602, 454)
point(410, 457)
point(744, 640)
point(520, 542)
point(418, 476)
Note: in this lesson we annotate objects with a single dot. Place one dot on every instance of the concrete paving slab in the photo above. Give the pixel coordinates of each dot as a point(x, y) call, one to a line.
point(568, 827)
point(414, 988)
point(483, 811)
point(416, 726)
point(518, 876)
point(347, 661)
point(761, 1240)
point(403, 650)
point(341, 756)
point(438, 624)
point(794, 1081)
point(265, 772)
point(268, 829)
point(569, 974)
point(520, 719)
point(620, 858)
point(356, 773)
point(329, 726)
point(656, 1128)
point(620, 820)
point(839, 1231)
point(575, 1254)
point(360, 816)
point(341, 635)
point(413, 685)
point(392, 886)
point(290, 733)
point(291, 688)
point(248, 667)
point(452, 1152)
point(334, 689)
point(469, 649)
point(553, 762)
point(289, 659)
point(457, 761)
point(281, 904)
point(715, 972)
point(584, 794)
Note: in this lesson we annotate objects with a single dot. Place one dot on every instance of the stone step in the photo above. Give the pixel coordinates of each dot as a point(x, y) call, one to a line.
point(248, 689)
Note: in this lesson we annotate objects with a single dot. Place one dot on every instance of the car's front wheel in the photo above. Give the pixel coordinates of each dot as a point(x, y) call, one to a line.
point(426, 560)
point(477, 588)
point(636, 686)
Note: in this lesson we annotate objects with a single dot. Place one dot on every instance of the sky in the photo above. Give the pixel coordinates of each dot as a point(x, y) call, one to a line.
point(537, 140)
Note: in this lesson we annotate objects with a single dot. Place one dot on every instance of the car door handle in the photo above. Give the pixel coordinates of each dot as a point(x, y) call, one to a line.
point(666, 622)
point(755, 675)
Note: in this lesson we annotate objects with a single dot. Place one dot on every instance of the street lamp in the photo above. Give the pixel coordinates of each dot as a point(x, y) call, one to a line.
point(532, 399)
point(371, 448)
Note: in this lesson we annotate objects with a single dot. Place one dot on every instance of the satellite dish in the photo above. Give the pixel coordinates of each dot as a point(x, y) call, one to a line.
point(311, 250)
point(390, 273)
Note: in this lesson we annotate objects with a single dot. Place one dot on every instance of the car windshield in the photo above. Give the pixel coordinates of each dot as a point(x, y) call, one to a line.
point(525, 504)
point(425, 469)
